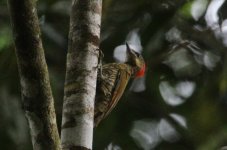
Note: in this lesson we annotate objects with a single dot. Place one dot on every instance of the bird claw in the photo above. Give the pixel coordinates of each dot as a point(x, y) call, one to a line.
point(101, 54)
point(99, 66)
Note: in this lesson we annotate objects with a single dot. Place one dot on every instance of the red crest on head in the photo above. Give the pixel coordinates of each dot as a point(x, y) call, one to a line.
point(141, 72)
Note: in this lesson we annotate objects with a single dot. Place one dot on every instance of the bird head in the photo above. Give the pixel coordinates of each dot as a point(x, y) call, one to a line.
point(135, 60)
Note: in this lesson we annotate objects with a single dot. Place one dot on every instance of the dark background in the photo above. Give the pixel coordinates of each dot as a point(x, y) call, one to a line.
point(181, 102)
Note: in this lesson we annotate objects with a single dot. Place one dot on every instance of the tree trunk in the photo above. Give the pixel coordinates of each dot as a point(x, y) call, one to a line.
point(35, 86)
point(81, 74)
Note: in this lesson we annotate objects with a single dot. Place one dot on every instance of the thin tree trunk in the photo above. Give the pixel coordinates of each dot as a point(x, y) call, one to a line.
point(35, 87)
point(81, 74)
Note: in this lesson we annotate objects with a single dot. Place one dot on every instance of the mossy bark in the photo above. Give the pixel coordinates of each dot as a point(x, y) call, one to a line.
point(37, 98)
point(81, 75)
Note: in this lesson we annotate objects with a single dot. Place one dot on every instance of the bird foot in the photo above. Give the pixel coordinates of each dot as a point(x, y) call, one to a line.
point(99, 66)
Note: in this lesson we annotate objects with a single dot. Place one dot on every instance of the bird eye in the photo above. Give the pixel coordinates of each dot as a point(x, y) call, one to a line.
point(137, 54)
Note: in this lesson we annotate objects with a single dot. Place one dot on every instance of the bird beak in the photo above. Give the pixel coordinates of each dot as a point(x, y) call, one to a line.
point(128, 48)
point(128, 52)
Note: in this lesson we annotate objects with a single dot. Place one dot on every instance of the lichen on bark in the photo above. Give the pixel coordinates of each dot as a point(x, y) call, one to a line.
point(37, 99)
point(81, 75)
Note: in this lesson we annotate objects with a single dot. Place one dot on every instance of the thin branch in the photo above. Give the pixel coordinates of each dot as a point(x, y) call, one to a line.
point(81, 74)
point(36, 92)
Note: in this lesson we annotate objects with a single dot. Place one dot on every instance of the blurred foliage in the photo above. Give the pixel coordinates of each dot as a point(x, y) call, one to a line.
point(184, 98)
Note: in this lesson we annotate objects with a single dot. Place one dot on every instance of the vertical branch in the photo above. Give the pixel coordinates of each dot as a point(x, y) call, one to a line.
point(81, 74)
point(35, 86)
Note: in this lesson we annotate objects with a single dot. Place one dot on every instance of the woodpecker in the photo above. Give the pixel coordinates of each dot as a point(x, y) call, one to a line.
point(112, 81)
